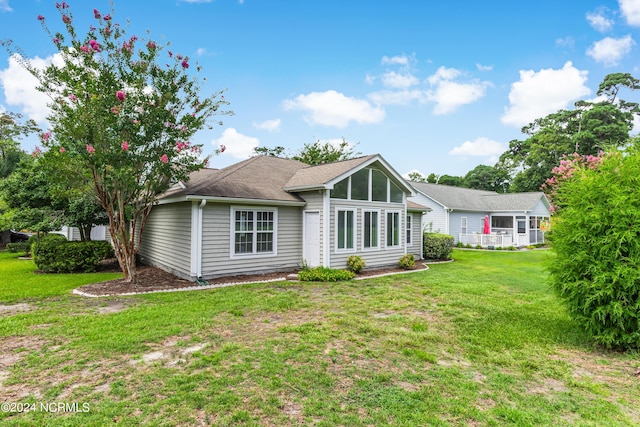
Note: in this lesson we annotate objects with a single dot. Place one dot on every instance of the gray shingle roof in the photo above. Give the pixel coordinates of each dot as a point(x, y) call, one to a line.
point(318, 176)
point(259, 177)
point(478, 200)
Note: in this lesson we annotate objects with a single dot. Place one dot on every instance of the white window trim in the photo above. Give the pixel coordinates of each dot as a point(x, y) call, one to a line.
point(335, 227)
point(232, 235)
point(409, 228)
point(463, 225)
point(372, 248)
point(400, 227)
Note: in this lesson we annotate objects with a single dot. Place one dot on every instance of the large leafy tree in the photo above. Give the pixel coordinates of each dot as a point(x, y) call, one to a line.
point(590, 127)
point(124, 109)
point(315, 153)
point(484, 177)
point(12, 130)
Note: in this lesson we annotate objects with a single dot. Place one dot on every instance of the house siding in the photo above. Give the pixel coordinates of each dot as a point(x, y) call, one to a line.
point(435, 221)
point(166, 239)
point(217, 259)
point(375, 257)
point(474, 223)
point(415, 247)
point(540, 209)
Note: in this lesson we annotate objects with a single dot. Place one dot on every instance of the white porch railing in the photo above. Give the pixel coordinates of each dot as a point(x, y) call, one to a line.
point(485, 240)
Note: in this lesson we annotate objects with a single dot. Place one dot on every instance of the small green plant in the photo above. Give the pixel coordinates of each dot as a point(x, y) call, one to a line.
point(408, 262)
point(18, 247)
point(469, 246)
point(499, 248)
point(356, 264)
point(304, 266)
point(438, 246)
point(478, 246)
point(459, 245)
point(325, 274)
point(511, 248)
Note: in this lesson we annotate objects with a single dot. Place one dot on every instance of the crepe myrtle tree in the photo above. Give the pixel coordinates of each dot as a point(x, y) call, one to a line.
point(123, 109)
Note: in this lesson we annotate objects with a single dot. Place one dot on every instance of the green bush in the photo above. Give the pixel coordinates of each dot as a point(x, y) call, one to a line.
point(437, 246)
point(596, 240)
point(511, 248)
point(408, 262)
point(459, 245)
point(356, 264)
point(19, 247)
point(478, 246)
point(54, 254)
point(324, 274)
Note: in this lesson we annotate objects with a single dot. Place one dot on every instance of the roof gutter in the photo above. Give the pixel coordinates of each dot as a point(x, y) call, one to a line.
point(242, 200)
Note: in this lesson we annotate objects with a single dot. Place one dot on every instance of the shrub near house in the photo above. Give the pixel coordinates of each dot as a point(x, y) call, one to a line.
point(54, 254)
point(437, 246)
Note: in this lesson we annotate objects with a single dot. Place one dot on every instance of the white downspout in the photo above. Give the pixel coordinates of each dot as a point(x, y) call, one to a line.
point(196, 238)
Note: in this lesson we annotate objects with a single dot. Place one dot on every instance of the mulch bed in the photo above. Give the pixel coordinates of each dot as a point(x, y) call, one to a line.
point(154, 279)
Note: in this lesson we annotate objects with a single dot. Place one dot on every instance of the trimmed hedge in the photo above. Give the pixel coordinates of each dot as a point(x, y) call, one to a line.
point(54, 254)
point(324, 274)
point(437, 246)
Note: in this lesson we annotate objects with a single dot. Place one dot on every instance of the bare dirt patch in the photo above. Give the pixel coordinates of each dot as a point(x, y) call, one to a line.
point(9, 310)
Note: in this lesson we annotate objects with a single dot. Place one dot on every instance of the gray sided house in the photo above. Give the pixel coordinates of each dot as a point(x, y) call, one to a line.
point(516, 219)
point(270, 214)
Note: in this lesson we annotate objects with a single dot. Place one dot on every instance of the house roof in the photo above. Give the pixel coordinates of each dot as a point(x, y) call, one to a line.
point(413, 206)
point(478, 200)
point(259, 177)
point(320, 175)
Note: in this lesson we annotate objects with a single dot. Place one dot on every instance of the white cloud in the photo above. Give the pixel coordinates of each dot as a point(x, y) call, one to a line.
point(610, 51)
point(631, 11)
point(395, 60)
point(369, 79)
point(332, 108)
point(236, 144)
point(270, 125)
point(397, 97)
point(481, 67)
point(480, 147)
point(537, 94)
point(449, 94)
point(201, 51)
point(4, 6)
point(399, 80)
point(20, 86)
point(599, 21)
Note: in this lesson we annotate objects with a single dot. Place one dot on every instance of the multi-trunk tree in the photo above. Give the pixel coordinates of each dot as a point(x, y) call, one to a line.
point(123, 112)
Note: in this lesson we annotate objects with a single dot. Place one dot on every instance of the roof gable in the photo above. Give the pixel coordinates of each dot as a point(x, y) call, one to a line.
point(325, 176)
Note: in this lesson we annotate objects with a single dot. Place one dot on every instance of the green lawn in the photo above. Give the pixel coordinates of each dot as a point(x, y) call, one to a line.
point(481, 341)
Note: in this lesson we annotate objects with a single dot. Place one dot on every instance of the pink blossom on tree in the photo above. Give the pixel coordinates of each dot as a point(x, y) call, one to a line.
point(155, 115)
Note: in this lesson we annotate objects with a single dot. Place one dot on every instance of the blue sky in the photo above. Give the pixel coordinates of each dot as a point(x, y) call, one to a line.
point(431, 86)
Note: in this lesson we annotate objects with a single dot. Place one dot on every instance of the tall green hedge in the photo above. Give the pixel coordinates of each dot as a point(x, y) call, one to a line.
point(437, 246)
point(596, 240)
point(54, 254)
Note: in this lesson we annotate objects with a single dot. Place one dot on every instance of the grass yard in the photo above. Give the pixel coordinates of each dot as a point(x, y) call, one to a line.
point(481, 341)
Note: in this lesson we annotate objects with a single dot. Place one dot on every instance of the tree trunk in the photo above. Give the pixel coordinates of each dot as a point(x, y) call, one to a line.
point(123, 248)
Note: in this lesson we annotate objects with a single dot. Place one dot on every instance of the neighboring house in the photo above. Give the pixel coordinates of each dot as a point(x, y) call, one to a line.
point(272, 214)
point(98, 232)
point(516, 219)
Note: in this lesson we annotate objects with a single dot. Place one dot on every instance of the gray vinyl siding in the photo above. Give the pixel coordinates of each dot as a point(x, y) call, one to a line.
point(416, 235)
point(166, 239)
point(373, 257)
point(540, 209)
point(217, 259)
point(314, 203)
point(474, 223)
point(435, 220)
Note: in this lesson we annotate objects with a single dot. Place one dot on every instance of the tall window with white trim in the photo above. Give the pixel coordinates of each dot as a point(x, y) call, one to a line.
point(345, 230)
point(393, 229)
point(370, 229)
